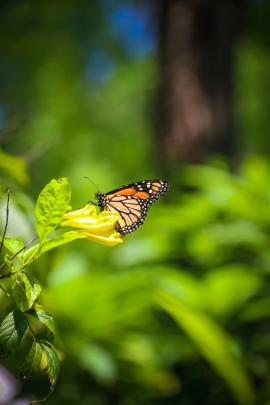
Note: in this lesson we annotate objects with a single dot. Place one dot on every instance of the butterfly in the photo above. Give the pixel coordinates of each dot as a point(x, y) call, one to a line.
point(131, 202)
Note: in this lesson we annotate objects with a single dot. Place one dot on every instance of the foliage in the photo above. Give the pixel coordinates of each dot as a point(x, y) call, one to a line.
point(24, 291)
point(207, 272)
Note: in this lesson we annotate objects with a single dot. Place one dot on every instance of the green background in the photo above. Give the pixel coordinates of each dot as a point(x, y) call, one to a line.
point(180, 312)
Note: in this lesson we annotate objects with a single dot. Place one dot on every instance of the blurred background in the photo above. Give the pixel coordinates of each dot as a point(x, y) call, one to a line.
point(122, 91)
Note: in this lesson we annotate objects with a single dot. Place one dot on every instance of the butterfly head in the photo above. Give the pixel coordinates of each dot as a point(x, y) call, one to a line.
point(101, 199)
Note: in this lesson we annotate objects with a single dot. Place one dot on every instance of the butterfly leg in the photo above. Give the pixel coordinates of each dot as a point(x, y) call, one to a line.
point(92, 202)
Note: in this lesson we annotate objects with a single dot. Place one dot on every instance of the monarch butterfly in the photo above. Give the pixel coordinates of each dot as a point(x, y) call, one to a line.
point(132, 202)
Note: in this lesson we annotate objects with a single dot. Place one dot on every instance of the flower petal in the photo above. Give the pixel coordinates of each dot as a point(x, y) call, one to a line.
point(99, 227)
point(88, 219)
point(111, 239)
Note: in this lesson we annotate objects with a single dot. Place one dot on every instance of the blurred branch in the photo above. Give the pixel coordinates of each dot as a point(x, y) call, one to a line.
point(6, 224)
point(40, 149)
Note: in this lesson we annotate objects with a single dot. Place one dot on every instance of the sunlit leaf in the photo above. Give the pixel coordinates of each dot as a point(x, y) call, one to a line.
point(25, 291)
point(13, 245)
point(36, 251)
point(52, 204)
point(12, 330)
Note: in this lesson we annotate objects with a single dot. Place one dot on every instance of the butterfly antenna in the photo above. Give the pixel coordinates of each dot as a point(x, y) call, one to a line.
point(91, 181)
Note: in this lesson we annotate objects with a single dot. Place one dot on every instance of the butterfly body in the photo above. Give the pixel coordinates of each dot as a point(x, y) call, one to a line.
point(131, 202)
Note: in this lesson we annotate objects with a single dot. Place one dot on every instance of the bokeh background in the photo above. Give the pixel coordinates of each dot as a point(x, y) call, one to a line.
point(121, 91)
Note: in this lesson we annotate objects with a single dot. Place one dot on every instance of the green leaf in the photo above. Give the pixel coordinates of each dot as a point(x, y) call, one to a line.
point(42, 357)
point(213, 343)
point(52, 204)
point(51, 244)
point(13, 245)
point(9, 261)
point(46, 319)
point(53, 364)
point(12, 330)
point(25, 291)
point(33, 360)
point(61, 240)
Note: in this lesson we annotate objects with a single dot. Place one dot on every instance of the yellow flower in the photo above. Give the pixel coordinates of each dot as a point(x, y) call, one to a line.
point(99, 227)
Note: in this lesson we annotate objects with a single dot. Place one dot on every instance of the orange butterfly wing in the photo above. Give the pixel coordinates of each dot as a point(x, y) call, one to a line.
point(131, 202)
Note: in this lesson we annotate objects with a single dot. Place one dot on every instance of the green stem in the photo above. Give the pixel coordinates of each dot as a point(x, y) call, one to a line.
point(6, 224)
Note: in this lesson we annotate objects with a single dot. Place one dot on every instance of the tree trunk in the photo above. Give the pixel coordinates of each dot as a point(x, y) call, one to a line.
point(197, 39)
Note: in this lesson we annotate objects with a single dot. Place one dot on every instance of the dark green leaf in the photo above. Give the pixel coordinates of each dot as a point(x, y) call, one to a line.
point(46, 319)
point(42, 357)
point(12, 330)
point(33, 360)
point(52, 203)
point(25, 291)
point(52, 361)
